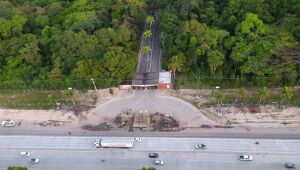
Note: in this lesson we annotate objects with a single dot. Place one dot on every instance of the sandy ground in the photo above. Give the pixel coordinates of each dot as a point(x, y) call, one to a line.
point(288, 117)
point(35, 116)
point(38, 116)
point(267, 116)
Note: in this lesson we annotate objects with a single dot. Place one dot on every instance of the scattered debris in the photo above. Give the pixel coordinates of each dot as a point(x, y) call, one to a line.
point(101, 127)
point(51, 123)
point(162, 122)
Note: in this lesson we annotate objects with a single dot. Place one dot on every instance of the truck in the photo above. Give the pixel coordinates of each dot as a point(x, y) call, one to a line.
point(114, 143)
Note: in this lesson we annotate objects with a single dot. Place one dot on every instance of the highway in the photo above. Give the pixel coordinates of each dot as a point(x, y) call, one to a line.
point(74, 152)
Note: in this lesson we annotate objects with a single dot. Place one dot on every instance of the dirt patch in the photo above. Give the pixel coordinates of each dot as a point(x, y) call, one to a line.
point(163, 122)
point(253, 109)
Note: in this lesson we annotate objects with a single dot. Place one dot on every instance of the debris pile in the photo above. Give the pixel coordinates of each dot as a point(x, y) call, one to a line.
point(51, 123)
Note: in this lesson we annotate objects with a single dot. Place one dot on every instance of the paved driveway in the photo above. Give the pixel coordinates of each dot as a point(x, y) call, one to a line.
point(147, 100)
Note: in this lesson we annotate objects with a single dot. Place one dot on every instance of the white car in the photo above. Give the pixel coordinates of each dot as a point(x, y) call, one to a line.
point(137, 139)
point(200, 146)
point(8, 123)
point(25, 154)
point(34, 160)
point(158, 162)
point(246, 158)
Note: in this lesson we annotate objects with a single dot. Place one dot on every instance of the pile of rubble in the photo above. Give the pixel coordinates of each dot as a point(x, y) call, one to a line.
point(52, 123)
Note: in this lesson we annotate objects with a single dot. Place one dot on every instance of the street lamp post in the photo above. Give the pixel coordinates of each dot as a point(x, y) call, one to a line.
point(93, 80)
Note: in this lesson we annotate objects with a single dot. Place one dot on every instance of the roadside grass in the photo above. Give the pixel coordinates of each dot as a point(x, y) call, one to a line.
point(29, 99)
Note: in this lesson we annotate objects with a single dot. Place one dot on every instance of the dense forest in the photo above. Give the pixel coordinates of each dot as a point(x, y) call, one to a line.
point(59, 44)
point(233, 42)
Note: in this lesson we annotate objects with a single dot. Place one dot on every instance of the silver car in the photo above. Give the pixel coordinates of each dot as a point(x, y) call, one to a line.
point(158, 162)
point(25, 154)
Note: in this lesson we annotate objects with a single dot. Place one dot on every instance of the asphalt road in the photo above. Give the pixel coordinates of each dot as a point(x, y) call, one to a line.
point(150, 62)
point(56, 153)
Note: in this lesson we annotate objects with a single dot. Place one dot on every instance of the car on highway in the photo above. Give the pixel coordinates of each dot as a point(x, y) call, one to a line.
point(153, 155)
point(7, 123)
point(34, 160)
point(290, 166)
point(25, 154)
point(200, 146)
point(158, 162)
point(137, 139)
point(96, 141)
point(245, 158)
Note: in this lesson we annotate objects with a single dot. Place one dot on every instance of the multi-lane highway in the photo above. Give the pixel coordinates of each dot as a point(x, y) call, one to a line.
point(64, 152)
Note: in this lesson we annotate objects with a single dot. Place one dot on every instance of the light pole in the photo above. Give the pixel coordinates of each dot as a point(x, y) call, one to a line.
point(93, 80)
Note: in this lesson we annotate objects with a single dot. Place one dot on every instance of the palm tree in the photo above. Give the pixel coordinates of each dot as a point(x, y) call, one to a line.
point(263, 94)
point(220, 97)
point(286, 94)
point(69, 93)
point(146, 49)
point(51, 98)
point(150, 20)
point(176, 64)
point(241, 93)
point(147, 34)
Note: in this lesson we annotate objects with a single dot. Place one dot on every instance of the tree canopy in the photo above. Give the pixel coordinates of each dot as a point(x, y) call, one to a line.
point(58, 44)
point(233, 40)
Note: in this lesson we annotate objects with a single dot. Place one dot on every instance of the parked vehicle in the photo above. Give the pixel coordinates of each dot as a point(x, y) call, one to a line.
point(25, 154)
point(8, 123)
point(290, 166)
point(158, 162)
point(200, 146)
point(246, 158)
point(34, 160)
point(153, 155)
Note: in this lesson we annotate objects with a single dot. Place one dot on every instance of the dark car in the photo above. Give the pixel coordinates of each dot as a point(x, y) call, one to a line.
point(34, 160)
point(153, 155)
point(290, 166)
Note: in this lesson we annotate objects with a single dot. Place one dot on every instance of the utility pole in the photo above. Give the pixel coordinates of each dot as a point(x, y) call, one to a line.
point(93, 80)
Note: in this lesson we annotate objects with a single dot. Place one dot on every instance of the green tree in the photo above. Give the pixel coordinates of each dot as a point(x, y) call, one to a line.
point(147, 34)
point(251, 26)
point(16, 168)
point(220, 97)
point(263, 94)
point(12, 27)
point(286, 94)
point(117, 64)
point(241, 92)
point(69, 94)
point(215, 60)
point(177, 63)
point(51, 98)
point(81, 21)
point(146, 49)
point(150, 20)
